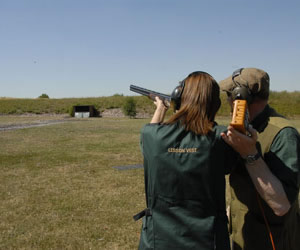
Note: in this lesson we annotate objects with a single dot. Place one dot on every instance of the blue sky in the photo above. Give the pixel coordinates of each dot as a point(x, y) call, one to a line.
point(89, 48)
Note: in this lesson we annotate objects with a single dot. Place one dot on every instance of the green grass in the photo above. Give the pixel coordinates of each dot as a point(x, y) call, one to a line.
point(64, 106)
point(58, 187)
point(286, 103)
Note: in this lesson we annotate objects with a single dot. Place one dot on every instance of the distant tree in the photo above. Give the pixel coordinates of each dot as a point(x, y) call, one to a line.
point(44, 96)
point(129, 108)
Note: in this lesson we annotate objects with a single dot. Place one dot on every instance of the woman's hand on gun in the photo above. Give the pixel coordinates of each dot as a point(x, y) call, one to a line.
point(161, 104)
point(161, 109)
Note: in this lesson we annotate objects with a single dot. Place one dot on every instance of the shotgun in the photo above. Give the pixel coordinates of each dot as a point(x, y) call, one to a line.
point(240, 116)
point(151, 94)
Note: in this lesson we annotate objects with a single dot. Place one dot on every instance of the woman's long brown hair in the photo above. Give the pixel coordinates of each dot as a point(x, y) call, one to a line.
point(200, 102)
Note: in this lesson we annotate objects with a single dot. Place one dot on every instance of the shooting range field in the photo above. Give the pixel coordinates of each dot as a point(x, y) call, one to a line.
point(59, 188)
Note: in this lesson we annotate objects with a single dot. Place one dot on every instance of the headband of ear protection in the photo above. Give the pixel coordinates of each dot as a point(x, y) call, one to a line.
point(177, 92)
point(241, 91)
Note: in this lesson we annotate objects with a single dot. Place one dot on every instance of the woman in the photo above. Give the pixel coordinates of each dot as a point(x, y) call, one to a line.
point(185, 162)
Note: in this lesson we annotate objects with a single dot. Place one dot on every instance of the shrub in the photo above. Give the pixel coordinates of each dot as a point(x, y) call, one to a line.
point(71, 111)
point(129, 107)
point(44, 96)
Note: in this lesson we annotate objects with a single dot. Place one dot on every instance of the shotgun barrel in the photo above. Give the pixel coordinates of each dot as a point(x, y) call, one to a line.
point(150, 93)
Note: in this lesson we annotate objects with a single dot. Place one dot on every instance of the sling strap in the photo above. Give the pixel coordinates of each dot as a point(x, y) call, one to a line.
point(145, 212)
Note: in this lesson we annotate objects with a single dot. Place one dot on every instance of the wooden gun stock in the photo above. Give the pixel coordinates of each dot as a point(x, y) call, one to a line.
point(240, 116)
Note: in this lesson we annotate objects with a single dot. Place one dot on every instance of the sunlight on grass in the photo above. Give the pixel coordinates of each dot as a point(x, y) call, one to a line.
point(59, 190)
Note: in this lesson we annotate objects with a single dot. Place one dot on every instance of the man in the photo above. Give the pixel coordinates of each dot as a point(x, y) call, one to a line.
point(264, 209)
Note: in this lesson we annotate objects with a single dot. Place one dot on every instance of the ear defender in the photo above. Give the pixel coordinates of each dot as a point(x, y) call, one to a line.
point(241, 92)
point(177, 92)
point(176, 95)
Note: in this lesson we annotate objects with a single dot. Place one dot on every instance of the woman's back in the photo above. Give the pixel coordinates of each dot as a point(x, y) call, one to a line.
point(185, 188)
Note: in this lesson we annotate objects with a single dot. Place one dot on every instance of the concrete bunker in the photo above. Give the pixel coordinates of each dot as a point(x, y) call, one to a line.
point(85, 111)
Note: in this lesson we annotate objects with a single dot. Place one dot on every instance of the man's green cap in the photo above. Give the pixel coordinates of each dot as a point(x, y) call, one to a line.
point(257, 80)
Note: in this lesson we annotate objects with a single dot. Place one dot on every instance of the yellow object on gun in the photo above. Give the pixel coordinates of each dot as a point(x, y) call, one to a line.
point(240, 116)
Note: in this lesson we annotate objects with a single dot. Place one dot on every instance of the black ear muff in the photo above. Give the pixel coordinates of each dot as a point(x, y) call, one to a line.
point(241, 91)
point(177, 92)
point(176, 95)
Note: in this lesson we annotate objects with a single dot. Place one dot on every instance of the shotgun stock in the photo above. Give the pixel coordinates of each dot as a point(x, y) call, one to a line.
point(240, 116)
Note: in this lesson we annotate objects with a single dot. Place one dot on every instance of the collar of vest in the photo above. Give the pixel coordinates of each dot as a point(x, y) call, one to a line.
point(260, 122)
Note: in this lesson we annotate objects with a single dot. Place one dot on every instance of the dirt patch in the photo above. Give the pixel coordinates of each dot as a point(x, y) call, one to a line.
point(117, 112)
point(12, 122)
point(112, 113)
point(30, 125)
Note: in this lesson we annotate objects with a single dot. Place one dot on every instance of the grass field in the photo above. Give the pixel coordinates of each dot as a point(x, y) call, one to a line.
point(58, 187)
point(59, 190)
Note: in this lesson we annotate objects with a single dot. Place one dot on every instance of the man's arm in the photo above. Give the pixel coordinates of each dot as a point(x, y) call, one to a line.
point(267, 185)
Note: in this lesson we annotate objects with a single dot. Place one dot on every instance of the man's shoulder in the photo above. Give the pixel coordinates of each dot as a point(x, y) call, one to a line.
point(286, 135)
point(283, 128)
point(280, 122)
point(278, 129)
point(286, 143)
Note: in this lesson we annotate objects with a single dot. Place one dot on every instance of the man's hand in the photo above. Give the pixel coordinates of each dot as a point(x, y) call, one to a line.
point(267, 185)
point(241, 143)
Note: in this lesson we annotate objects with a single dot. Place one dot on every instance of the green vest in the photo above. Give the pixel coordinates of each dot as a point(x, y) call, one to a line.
point(248, 229)
point(185, 189)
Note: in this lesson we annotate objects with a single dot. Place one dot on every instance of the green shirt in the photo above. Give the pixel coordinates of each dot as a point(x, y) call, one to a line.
point(185, 188)
point(283, 158)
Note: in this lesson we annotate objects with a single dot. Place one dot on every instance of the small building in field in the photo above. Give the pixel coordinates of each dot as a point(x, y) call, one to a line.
point(84, 111)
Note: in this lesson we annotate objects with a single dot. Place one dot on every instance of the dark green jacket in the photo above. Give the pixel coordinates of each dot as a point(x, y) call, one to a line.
point(280, 147)
point(185, 188)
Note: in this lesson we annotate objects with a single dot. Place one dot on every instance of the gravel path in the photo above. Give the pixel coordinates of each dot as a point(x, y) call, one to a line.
point(30, 125)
